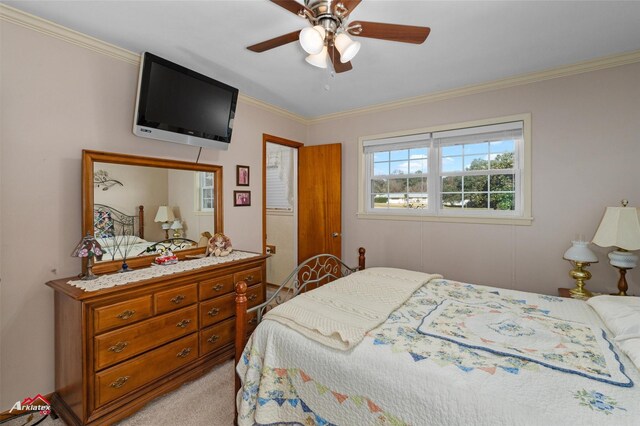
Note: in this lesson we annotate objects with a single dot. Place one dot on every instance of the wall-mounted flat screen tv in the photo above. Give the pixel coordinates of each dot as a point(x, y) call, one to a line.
point(176, 104)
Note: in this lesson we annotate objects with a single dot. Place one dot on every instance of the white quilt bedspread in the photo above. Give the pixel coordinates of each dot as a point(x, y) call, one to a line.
point(431, 363)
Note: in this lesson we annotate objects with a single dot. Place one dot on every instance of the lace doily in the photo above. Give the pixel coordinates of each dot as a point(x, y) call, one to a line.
point(112, 280)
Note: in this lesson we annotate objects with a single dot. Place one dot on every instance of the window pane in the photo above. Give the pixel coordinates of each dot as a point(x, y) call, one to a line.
point(418, 166)
point(449, 150)
point(418, 185)
point(502, 161)
point(379, 201)
point(451, 164)
point(379, 186)
point(476, 201)
point(398, 201)
point(476, 148)
point(503, 146)
point(381, 156)
point(398, 186)
point(418, 152)
point(476, 183)
point(503, 201)
point(380, 169)
point(402, 154)
point(418, 201)
point(476, 162)
point(399, 167)
point(452, 184)
point(502, 183)
point(450, 201)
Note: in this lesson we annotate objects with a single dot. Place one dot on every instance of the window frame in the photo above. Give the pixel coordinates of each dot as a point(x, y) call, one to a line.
point(199, 198)
point(520, 216)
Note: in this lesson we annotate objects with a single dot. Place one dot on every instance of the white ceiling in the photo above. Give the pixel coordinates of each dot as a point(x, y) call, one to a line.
point(471, 42)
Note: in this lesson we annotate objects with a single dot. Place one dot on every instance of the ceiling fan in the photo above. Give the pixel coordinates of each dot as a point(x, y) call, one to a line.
point(328, 36)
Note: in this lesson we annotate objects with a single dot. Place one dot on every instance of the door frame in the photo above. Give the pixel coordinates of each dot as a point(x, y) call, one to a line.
point(278, 141)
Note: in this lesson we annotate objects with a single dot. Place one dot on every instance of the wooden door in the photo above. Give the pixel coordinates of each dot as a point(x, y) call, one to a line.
point(319, 200)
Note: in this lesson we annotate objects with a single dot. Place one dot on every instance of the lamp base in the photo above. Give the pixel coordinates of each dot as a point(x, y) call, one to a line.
point(622, 282)
point(580, 274)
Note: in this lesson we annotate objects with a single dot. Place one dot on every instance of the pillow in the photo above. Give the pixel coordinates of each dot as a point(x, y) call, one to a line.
point(102, 224)
point(621, 315)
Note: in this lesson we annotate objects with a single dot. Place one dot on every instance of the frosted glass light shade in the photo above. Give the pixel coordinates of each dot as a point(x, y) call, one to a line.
point(579, 252)
point(620, 227)
point(319, 60)
point(347, 47)
point(312, 39)
point(164, 214)
point(176, 224)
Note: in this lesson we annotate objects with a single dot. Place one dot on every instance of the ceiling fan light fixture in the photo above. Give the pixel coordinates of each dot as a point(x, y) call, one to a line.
point(312, 39)
point(348, 48)
point(320, 59)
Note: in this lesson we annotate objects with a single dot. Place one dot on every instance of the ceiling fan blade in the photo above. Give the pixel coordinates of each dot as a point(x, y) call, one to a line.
point(335, 59)
point(392, 32)
point(349, 5)
point(275, 42)
point(291, 5)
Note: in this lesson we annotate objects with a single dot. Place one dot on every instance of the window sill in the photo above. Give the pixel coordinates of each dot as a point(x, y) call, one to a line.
point(513, 220)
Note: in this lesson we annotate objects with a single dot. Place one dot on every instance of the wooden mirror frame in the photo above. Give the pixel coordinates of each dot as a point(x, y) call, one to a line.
point(91, 157)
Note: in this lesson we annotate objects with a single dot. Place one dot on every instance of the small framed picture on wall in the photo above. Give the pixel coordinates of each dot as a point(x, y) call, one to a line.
point(241, 198)
point(242, 175)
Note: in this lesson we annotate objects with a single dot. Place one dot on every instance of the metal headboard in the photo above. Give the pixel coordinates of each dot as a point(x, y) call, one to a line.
point(313, 272)
point(124, 224)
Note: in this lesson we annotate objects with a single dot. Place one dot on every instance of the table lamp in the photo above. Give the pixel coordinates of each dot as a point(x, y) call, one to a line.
point(580, 256)
point(165, 216)
point(176, 226)
point(88, 247)
point(620, 228)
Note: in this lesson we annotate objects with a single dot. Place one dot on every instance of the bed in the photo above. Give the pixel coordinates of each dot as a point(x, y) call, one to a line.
point(452, 353)
point(121, 236)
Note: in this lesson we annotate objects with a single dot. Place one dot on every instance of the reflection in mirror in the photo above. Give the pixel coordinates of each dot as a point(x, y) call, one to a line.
point(176, 205)
point(140, 207)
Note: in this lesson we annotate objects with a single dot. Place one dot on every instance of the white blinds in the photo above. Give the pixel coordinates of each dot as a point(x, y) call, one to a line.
point(497, 132)
point(396, 143)
point(279, 178)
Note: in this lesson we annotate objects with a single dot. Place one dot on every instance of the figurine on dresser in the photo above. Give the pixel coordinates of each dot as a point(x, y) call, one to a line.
point(219, 245)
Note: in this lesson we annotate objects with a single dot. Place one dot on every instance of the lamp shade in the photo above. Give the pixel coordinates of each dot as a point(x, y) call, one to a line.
point(312, 39)
point(620, 227)
point(176, 224)
point(347, 47)
point(580, 252)
point(87, 247)
point(165, 214)
point(319, 60)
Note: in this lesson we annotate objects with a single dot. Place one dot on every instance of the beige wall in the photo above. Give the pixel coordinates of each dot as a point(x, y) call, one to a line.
point(586, 149)
point(57, 99)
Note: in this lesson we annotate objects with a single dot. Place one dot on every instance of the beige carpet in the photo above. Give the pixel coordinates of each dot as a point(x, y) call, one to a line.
point(206, 401)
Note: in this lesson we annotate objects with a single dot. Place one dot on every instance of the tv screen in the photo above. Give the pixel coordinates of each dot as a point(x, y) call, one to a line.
point(179, 105)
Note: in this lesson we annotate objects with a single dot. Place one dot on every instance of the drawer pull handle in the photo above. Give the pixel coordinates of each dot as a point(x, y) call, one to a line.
point(184, 353)
point(213, 312)
point(126, 314)
point(178, 299)
point(253, 320)
point(218, 287)
point(118, 347)
point(213, 338)
point(120, 381)
point(252, 297)
point(249, 278)
point(184, 323)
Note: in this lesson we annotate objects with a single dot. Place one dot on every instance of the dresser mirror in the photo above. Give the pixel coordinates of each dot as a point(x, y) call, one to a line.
point(137, 208)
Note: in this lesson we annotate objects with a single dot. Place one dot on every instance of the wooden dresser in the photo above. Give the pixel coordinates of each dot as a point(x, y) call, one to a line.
point(116, 349)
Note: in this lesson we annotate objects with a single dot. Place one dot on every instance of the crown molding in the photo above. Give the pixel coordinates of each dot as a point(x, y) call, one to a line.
point(520, 80)
point(49, 28)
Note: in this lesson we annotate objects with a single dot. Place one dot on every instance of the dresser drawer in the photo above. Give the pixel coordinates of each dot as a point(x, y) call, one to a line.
point(217, 336)
point(216, 287)
point(118, 381)
point(124, 343)
point(250, 276)
point(176, 298)
point(123, 313)
point(216, 310)
point(255, 296)
point(252, 322)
